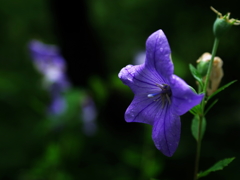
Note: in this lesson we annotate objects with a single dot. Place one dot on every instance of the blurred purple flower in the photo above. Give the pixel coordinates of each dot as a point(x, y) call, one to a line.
point(160, 97)
point(88, 116)
point(49, 62)
point(51, 65)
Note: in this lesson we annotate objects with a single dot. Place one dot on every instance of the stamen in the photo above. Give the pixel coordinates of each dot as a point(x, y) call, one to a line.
point(164, 95)
point(168, 99)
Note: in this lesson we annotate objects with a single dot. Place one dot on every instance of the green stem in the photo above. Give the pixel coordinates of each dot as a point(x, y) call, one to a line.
point(214, 50)
point(203, 103)
point(197, 159)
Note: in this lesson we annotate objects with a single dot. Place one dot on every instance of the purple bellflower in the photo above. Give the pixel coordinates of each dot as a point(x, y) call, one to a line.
point(160, 97)
point(49, 62)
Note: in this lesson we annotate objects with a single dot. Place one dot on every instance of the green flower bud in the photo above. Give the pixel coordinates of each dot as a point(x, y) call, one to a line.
point(203, 68)
point(223, 23)
point(203, 64)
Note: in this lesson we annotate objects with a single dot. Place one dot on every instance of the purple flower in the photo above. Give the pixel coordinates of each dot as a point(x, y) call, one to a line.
point(49, 62)
point(160, 97)
point(51, 65)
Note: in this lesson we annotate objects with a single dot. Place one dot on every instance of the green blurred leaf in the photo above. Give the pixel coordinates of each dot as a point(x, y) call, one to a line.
point(193, 112)
point(99, 88)
point(73, 98)
point(216, 167)
point(132, 157)
point(52, 156)
point(195, 127)
point(196, 74)
point(221, 88)
point(196, 110)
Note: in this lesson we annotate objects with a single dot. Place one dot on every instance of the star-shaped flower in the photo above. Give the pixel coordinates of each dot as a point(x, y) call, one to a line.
point(160, 97)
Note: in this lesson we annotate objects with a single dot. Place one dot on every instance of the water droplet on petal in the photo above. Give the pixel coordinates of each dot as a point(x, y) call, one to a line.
point(128, 66)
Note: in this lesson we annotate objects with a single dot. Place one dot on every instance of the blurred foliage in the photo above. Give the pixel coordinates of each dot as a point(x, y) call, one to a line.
point(35, 146)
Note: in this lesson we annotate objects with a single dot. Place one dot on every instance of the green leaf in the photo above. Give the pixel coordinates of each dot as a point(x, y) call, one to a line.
point(195, 127)
point(209, 107)
point(221, 88)
point(193, 112)
point(196, 110)
point(73, 99)
point(216, 167)
point(196, 74)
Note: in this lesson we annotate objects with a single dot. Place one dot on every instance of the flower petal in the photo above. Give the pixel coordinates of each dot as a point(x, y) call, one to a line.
point(143, 110)
point(158, 54)
point(140, 79)
point(166, 132)
point(183, 97)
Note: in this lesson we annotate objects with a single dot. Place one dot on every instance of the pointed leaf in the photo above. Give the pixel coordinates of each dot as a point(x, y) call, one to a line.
point(195, 127)
point(221, 88)
point(196, 110)
point(193, 112)
point(209, 107)
point(216, 167)
point(195, 74)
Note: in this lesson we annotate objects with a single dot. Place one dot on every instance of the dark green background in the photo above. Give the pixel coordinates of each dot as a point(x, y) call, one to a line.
point(98, 38)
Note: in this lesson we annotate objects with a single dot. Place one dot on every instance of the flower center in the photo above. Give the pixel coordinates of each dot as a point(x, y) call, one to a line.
point(164, 95)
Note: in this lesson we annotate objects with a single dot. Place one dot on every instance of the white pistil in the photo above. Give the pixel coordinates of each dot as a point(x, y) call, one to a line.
point(152, 95)
point(164, 94)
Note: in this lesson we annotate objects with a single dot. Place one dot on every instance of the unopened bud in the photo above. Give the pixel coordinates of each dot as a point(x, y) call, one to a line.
point(216, 74)
point(203, 63)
